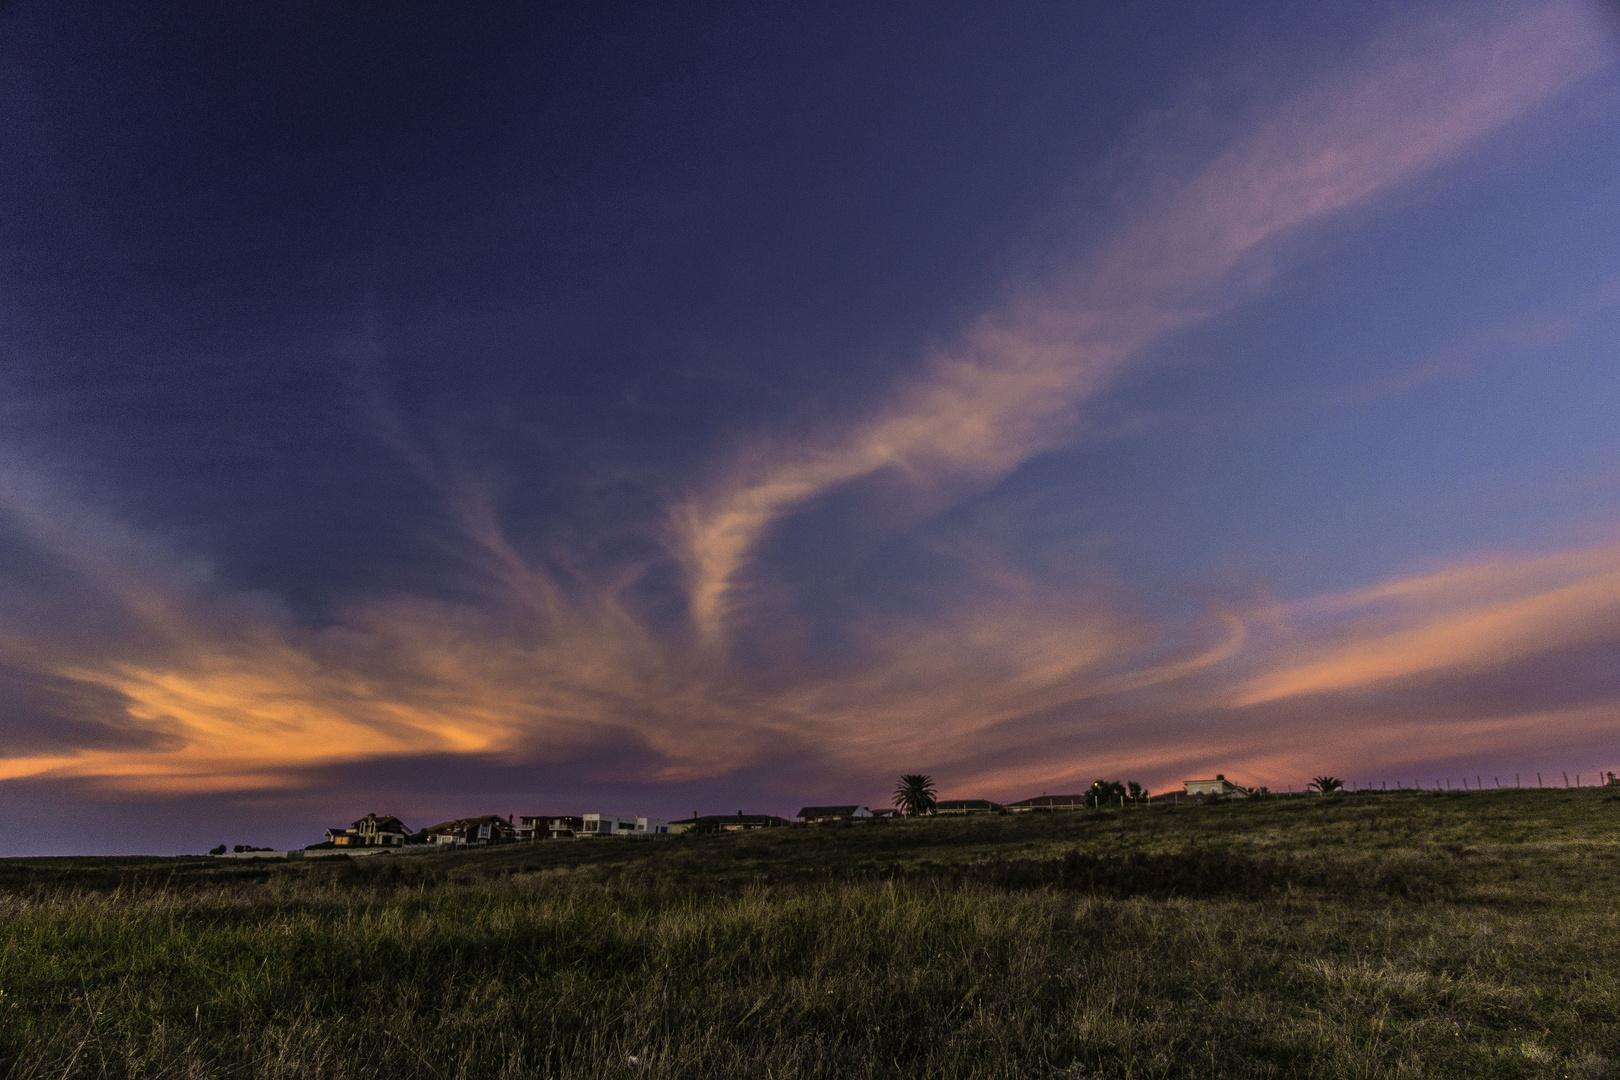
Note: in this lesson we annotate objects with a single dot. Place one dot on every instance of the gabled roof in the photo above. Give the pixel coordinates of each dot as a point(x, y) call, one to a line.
point(1051, 800)
point(461, 823)
point(384, 822)
point(965, 804)
point(733, 819)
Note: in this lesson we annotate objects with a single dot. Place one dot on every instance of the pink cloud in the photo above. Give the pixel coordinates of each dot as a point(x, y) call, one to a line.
point(1008, 386)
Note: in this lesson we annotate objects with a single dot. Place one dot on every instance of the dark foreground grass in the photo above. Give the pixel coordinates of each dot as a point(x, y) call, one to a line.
point(1338, 937)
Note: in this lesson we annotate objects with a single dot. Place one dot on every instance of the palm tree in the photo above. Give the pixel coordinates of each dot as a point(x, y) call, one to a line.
point(915, 795)
point(1325, 784)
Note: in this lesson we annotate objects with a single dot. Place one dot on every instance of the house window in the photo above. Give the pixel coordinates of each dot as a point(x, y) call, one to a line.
point(483, 831)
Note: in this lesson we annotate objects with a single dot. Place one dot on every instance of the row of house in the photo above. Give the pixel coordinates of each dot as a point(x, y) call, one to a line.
point(1218, 788)
point(381, 830)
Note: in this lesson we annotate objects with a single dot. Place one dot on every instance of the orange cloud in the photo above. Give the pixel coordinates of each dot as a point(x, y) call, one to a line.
point(1011, 684)
point(244, 699)
point(1464, 618)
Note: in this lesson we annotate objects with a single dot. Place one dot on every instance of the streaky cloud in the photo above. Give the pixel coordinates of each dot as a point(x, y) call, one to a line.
point(1011, 682)
point(1009, 386)
point(1470, 617)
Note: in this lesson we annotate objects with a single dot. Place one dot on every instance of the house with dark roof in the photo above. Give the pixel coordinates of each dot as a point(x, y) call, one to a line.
point(1048, 802)
point(550, 826)
point(475, 831)
point(815, 815)
point(373, 830)
point(738, 822)
point(967, 806)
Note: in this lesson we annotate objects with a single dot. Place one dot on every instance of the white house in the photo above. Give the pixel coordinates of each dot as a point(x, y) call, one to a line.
point(812, 815)
point(614, 825)
point(1218, 788)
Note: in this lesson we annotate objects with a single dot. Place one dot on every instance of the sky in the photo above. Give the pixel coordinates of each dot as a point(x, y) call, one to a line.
point(650, 409)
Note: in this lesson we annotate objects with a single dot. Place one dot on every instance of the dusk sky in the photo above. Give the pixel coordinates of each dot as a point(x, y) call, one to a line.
point(642, 408)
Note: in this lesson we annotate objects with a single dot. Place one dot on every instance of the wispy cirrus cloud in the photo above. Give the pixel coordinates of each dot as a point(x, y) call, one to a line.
point(1503, 657)
point(1007, 388)
point(1008, 682)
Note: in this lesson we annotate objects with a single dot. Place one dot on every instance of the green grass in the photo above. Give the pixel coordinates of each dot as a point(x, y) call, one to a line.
point(1348, 936)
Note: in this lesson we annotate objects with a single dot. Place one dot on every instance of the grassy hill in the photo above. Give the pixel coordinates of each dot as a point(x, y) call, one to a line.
point(1346, 936)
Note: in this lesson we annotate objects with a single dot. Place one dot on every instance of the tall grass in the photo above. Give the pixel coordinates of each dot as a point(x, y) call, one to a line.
point(1405, 958)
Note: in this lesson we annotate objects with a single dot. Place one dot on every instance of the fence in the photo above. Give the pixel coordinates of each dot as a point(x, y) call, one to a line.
point(1601, 778)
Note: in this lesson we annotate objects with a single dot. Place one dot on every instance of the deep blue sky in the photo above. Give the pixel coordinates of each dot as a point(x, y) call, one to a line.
point(436, 411)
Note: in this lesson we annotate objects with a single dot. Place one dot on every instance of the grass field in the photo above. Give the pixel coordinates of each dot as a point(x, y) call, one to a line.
point(1346, 936)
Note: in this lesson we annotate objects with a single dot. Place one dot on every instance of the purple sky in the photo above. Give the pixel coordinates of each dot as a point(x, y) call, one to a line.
point(639, 409)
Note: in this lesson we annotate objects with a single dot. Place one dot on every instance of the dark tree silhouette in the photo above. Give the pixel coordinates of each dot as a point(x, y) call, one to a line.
point(1135, 790)
point(1326, 784)
point(1105, 793)
point(915, 795)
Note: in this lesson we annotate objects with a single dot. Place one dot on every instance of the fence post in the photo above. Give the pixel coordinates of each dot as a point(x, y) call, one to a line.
point(1566, 779)
point(1538, 780)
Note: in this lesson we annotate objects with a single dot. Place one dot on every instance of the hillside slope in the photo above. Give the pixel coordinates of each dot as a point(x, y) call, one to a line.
point(1409, 935)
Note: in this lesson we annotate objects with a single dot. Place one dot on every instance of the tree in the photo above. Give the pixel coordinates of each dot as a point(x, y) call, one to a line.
point(1105, 793)
point(1136, 791)
point(915, 795)
point(217, 851)
point(1325, 784)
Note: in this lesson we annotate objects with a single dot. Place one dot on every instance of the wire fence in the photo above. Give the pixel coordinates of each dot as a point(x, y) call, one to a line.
point(1561, 779)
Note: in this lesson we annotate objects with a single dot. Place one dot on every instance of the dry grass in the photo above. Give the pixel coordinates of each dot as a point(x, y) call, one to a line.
point(1413, 936)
